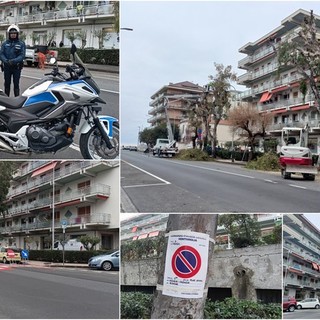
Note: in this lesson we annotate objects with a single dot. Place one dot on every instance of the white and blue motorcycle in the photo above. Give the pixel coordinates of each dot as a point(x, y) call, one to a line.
point(44, 119)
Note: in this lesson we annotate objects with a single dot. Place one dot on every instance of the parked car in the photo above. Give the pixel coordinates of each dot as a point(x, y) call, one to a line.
point(289, 304)
point(8, 254)
point(105, 261)
point(308, 303)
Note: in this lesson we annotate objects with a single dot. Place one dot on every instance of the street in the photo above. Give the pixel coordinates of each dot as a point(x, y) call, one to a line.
point(109, 85)
point(302, 314)
point(58, 293)
point(152, 184)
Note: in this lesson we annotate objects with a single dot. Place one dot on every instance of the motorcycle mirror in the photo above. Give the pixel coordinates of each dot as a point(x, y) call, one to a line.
point(53, 60)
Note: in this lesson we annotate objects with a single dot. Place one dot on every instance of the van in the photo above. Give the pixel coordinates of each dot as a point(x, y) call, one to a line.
point(71, 245)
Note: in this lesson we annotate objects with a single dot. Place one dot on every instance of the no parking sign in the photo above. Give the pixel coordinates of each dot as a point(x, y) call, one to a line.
point(186, 264)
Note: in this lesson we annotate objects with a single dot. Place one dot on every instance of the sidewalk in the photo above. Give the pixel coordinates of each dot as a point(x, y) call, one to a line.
point(34, 263)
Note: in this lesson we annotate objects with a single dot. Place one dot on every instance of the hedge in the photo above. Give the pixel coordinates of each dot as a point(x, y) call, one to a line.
point(69, 256)
point(95, 56)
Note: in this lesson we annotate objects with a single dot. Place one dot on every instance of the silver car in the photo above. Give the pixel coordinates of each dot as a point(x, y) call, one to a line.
point(105, 261)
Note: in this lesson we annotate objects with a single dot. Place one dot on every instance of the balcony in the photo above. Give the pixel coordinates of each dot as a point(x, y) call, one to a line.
point(256, 57)
point(158, 117)
point(85, 220)
point(56, 15)
point(156, 109)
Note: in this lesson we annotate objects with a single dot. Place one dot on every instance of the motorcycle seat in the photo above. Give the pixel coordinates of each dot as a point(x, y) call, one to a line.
point(12, 103)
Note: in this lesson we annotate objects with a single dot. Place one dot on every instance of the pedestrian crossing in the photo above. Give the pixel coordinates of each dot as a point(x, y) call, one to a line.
point(4, 267)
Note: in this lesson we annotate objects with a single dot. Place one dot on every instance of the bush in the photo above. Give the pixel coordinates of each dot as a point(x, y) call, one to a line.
point(267, 162)
point(136, 305)
point(232, 308)
point(95, 56)
point(69, 256)
point(193, 154)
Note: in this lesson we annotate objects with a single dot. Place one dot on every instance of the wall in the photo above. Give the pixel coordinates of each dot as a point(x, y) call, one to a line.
point(262, 264)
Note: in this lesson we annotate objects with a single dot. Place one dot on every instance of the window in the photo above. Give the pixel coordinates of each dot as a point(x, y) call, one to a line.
point(295, 117)
point(295, 94)
point(84, 211)
point(84, 185)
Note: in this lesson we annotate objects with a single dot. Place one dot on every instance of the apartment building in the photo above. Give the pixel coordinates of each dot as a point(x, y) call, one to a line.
point(279, 93)
point(301, 257)
point(150, 225)
point(45, 196)
point(39, 20)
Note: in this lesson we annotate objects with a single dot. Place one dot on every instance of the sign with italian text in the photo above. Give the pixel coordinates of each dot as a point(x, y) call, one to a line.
point(186, 264)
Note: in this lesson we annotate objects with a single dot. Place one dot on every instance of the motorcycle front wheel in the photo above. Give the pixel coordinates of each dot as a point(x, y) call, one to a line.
point(93, 146)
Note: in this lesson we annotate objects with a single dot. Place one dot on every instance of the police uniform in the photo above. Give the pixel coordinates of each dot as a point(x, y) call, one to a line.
point(12, 54)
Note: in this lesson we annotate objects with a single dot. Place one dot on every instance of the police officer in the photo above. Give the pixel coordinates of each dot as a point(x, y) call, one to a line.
point(12, 54)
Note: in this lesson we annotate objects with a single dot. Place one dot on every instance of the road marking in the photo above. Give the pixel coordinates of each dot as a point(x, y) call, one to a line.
point(145, 185)
point(144, 171)
point(110, 91)
point(216, 170)
point(270, 181)
point(295, 186)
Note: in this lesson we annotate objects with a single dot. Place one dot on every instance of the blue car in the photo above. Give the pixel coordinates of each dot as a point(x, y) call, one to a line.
point(105, 261)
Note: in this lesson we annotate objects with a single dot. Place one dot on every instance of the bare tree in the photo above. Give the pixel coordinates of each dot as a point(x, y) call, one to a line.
point(254, 124)
point(167, 307)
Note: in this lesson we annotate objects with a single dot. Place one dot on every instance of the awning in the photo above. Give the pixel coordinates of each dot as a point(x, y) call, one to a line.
point(279, 89)
point(44, 169)
point(282, 110)
point(134, 229)
point(319, 267)
point(153, 234)
point(295, 271)
point(303, 107)
point(135, 238)
point(315, 266)
point(143, 236)
point(265, 96)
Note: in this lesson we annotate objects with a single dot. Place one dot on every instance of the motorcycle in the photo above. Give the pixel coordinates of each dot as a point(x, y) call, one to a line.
point(45, 117)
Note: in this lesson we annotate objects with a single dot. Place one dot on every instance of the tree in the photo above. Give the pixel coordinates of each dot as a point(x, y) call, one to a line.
point(35, 38)
point(82, 35)
point(167, 307)
point(89, 242)
point(102, 35)
point(116, 11)
point(71, 36)
point(220, 84)
point(304, 55)
point(150, 135)
point(50, 37)
point(254, 124)
point(7, 168)
point(243, 229)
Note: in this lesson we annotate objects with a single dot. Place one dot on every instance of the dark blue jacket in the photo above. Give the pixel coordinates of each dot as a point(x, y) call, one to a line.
point(14, 50)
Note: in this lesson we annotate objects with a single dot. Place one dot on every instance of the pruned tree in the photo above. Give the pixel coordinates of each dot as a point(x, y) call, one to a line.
point(244, 229)
point(89, 242)
point(303, 53)
point(102, 36)
point(253, 124)
point(71, 36)
point(82, 35)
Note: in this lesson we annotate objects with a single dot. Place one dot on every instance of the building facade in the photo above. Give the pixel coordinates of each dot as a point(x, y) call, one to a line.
point(45, 195)
point(40, 21)
point(278, 93)
point(301, 257)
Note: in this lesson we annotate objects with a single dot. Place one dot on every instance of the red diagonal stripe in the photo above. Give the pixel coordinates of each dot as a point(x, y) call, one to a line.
point(185, 261)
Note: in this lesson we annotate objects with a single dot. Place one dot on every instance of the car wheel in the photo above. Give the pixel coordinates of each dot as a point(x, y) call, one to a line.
point(107, 266)
point(291, 308)
point(317, 306)
point(299, 307)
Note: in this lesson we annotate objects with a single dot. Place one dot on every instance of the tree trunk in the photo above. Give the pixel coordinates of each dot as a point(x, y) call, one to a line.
point(167, 307)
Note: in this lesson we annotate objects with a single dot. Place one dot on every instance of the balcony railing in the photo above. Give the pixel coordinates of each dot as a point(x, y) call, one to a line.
point(56, 14)
point(93, 218)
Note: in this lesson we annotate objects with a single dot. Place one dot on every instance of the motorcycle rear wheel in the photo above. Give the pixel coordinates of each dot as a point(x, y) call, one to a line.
point(92, 145)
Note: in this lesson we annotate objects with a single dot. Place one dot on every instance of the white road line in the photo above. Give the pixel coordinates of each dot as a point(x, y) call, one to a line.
point(271, 181)
point(295, 186)
point(145, 185)
point(110, 91)
point(216, 170)
point(150, 174)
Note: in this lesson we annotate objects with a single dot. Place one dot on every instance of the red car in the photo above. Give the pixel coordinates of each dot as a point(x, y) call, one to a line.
point(289, 304)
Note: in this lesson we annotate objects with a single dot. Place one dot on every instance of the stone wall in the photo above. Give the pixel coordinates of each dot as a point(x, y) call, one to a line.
point(243, 270)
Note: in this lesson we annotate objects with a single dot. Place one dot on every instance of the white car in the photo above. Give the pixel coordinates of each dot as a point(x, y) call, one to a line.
point(309, 303)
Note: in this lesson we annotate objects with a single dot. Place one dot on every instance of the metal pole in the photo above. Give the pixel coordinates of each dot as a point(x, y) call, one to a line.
point(64, 242)
point(52, 226)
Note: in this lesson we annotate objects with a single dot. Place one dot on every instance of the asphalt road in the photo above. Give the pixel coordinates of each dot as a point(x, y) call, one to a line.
point(109, 85)
point(152, 184)
point(302, 314)
point(56, 293)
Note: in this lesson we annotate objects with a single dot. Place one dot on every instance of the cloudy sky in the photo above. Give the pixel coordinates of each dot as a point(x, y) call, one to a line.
point(174, 41)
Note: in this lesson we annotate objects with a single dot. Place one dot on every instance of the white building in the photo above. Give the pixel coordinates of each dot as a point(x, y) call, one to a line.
point(44, 195)
point(42, 19)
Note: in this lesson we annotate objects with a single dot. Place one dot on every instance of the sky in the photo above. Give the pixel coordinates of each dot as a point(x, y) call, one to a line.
point(175, 41)
point(314, 219)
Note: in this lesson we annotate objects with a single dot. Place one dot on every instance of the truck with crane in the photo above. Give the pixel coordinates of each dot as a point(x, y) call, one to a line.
point(295, 156)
